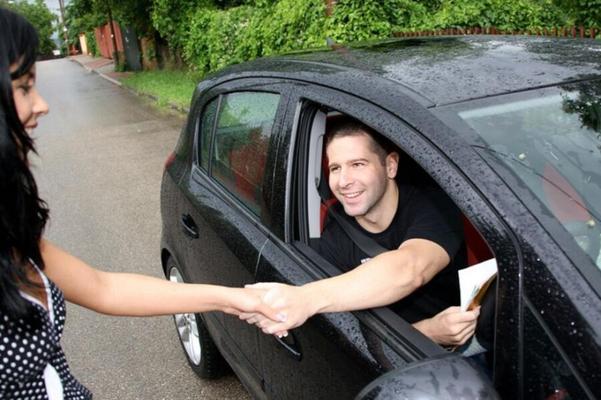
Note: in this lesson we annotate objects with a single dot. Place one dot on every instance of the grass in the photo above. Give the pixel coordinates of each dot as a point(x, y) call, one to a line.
point(168, 87)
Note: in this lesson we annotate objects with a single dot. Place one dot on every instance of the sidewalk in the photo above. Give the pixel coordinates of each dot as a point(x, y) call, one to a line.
point(104, 67)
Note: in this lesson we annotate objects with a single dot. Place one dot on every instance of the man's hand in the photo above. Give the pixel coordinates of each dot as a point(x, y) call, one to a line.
point(291, 303)
point(450, 327)
point(249, 301)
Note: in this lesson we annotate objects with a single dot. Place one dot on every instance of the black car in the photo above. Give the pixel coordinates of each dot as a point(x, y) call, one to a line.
point(508, 127)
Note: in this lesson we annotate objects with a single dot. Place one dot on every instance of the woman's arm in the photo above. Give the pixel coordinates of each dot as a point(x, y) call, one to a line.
point(139, 295)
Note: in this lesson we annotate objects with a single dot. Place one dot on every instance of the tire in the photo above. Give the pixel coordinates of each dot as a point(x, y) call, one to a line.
point(200, 349)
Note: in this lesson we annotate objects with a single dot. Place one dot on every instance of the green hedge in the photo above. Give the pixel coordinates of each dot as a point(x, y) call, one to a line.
point(209, 37)
point(501, 14)
point(216, 38)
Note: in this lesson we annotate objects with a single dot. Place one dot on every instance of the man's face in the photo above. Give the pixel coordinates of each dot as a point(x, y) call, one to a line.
point(358, 178)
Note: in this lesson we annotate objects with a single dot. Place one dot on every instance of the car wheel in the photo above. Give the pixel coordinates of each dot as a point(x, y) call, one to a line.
point(200, 349)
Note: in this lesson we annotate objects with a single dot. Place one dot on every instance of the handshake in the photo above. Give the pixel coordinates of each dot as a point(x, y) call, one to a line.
point(276, 308)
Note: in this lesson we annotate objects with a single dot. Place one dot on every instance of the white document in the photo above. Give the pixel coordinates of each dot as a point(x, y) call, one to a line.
point(474, 279)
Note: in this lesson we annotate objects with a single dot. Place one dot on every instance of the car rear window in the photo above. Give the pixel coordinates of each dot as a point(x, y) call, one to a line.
point(244, 124)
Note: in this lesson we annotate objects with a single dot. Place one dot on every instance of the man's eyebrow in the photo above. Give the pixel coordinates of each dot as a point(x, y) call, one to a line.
point(348, 161)
point(357, 159)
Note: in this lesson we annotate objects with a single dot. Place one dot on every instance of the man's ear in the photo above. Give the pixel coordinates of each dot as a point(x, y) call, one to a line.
point(392, 164)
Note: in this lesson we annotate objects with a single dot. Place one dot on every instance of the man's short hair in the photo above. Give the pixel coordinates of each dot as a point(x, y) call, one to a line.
point(343, 126)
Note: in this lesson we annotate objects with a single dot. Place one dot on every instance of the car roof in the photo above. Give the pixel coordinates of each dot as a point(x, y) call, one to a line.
point(443, 70)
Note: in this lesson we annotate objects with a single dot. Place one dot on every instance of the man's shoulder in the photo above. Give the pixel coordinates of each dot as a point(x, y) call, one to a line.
point(418, 193)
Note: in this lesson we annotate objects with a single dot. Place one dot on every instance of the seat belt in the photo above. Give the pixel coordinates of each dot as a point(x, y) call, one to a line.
point(368, 245)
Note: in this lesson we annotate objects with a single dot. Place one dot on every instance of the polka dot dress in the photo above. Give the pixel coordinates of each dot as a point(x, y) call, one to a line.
point(26, 351)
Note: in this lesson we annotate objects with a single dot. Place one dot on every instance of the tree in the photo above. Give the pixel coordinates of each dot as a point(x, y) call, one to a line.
point(40, 17)
point(584, 12)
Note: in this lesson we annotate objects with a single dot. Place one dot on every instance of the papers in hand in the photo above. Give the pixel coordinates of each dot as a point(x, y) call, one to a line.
point(474, 281)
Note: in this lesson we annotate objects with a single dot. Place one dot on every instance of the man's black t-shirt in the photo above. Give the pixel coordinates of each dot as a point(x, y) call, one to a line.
point(422, 213)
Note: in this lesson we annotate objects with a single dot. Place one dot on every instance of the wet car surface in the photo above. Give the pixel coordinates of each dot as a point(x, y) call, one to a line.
point(508, 127)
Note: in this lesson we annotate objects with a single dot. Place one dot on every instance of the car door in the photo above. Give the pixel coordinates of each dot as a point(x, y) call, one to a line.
point(336, 355)
point(560, 356)
point(228, 202)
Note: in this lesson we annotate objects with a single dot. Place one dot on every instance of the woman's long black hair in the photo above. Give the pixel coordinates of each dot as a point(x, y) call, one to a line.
point(23, 214)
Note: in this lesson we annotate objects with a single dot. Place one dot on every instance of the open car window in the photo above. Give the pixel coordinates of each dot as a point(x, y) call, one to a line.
point(316, 198)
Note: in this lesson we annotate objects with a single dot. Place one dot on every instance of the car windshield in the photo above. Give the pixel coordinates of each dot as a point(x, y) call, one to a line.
point(552, 143)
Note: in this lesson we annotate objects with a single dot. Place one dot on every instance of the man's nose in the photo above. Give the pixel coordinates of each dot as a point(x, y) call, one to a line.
point(345, 177)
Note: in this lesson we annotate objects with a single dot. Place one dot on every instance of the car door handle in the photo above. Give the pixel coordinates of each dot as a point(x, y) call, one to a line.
point(189, 226)
point(291, 345)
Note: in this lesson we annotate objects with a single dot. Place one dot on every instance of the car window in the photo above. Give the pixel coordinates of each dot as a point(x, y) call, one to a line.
point(316, 212)
point(244, 123)
point(547, 375)
point(551, 141)
point(206, 128)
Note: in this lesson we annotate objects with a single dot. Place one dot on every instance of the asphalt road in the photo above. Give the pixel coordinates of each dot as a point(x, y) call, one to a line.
point(102, 152)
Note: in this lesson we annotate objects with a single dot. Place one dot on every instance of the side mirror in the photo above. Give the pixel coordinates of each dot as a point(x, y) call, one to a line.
point(450, 377)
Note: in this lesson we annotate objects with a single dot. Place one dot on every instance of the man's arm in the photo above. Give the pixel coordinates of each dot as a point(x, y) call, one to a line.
point(380, 281)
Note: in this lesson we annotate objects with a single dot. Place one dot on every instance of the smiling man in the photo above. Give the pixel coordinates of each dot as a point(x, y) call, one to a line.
point(415, 221)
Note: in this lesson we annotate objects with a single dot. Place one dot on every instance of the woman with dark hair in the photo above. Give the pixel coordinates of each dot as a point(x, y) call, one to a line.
point(36, 276)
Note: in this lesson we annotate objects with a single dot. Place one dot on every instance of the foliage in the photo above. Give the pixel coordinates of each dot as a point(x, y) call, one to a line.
point(501, 14)
point(291, 25)
point(167, 87)
point(587, 106)
point(209, 34)
point(171, 18)
point(82, 16)
point(212, 34)
point(361, 20)
point(216, 37)
point(135, 14)
point(584, 12)
point(92, 45)
point(130, 13)
point(40, 17)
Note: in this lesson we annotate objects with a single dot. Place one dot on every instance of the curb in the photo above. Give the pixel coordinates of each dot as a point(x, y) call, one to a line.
point(108, 78)
point(175, 107)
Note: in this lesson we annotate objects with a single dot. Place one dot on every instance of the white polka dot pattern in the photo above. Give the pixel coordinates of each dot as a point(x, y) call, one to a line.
point(26, 350)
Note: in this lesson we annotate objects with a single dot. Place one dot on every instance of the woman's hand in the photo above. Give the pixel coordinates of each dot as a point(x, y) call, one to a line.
point(250, 301)
point(292, 305)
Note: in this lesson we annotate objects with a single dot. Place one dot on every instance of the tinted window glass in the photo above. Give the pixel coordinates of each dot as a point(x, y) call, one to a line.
point(241, 141)
point(547, 376)
point(206, 128)
point(552, 143)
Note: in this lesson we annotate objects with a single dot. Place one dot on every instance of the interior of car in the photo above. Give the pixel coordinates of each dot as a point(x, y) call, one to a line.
point(319, 200)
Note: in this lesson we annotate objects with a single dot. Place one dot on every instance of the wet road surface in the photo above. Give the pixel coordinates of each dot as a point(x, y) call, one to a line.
point(102, 152)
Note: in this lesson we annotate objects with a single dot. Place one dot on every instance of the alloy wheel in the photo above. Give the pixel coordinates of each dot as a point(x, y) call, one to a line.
point(187, 326)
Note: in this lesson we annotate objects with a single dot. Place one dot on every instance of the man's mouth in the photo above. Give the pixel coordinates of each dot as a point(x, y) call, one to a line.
point(351, 195)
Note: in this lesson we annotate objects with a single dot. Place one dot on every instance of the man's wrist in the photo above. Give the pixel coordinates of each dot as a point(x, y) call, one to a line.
point(423, 326)
point(317, 299)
